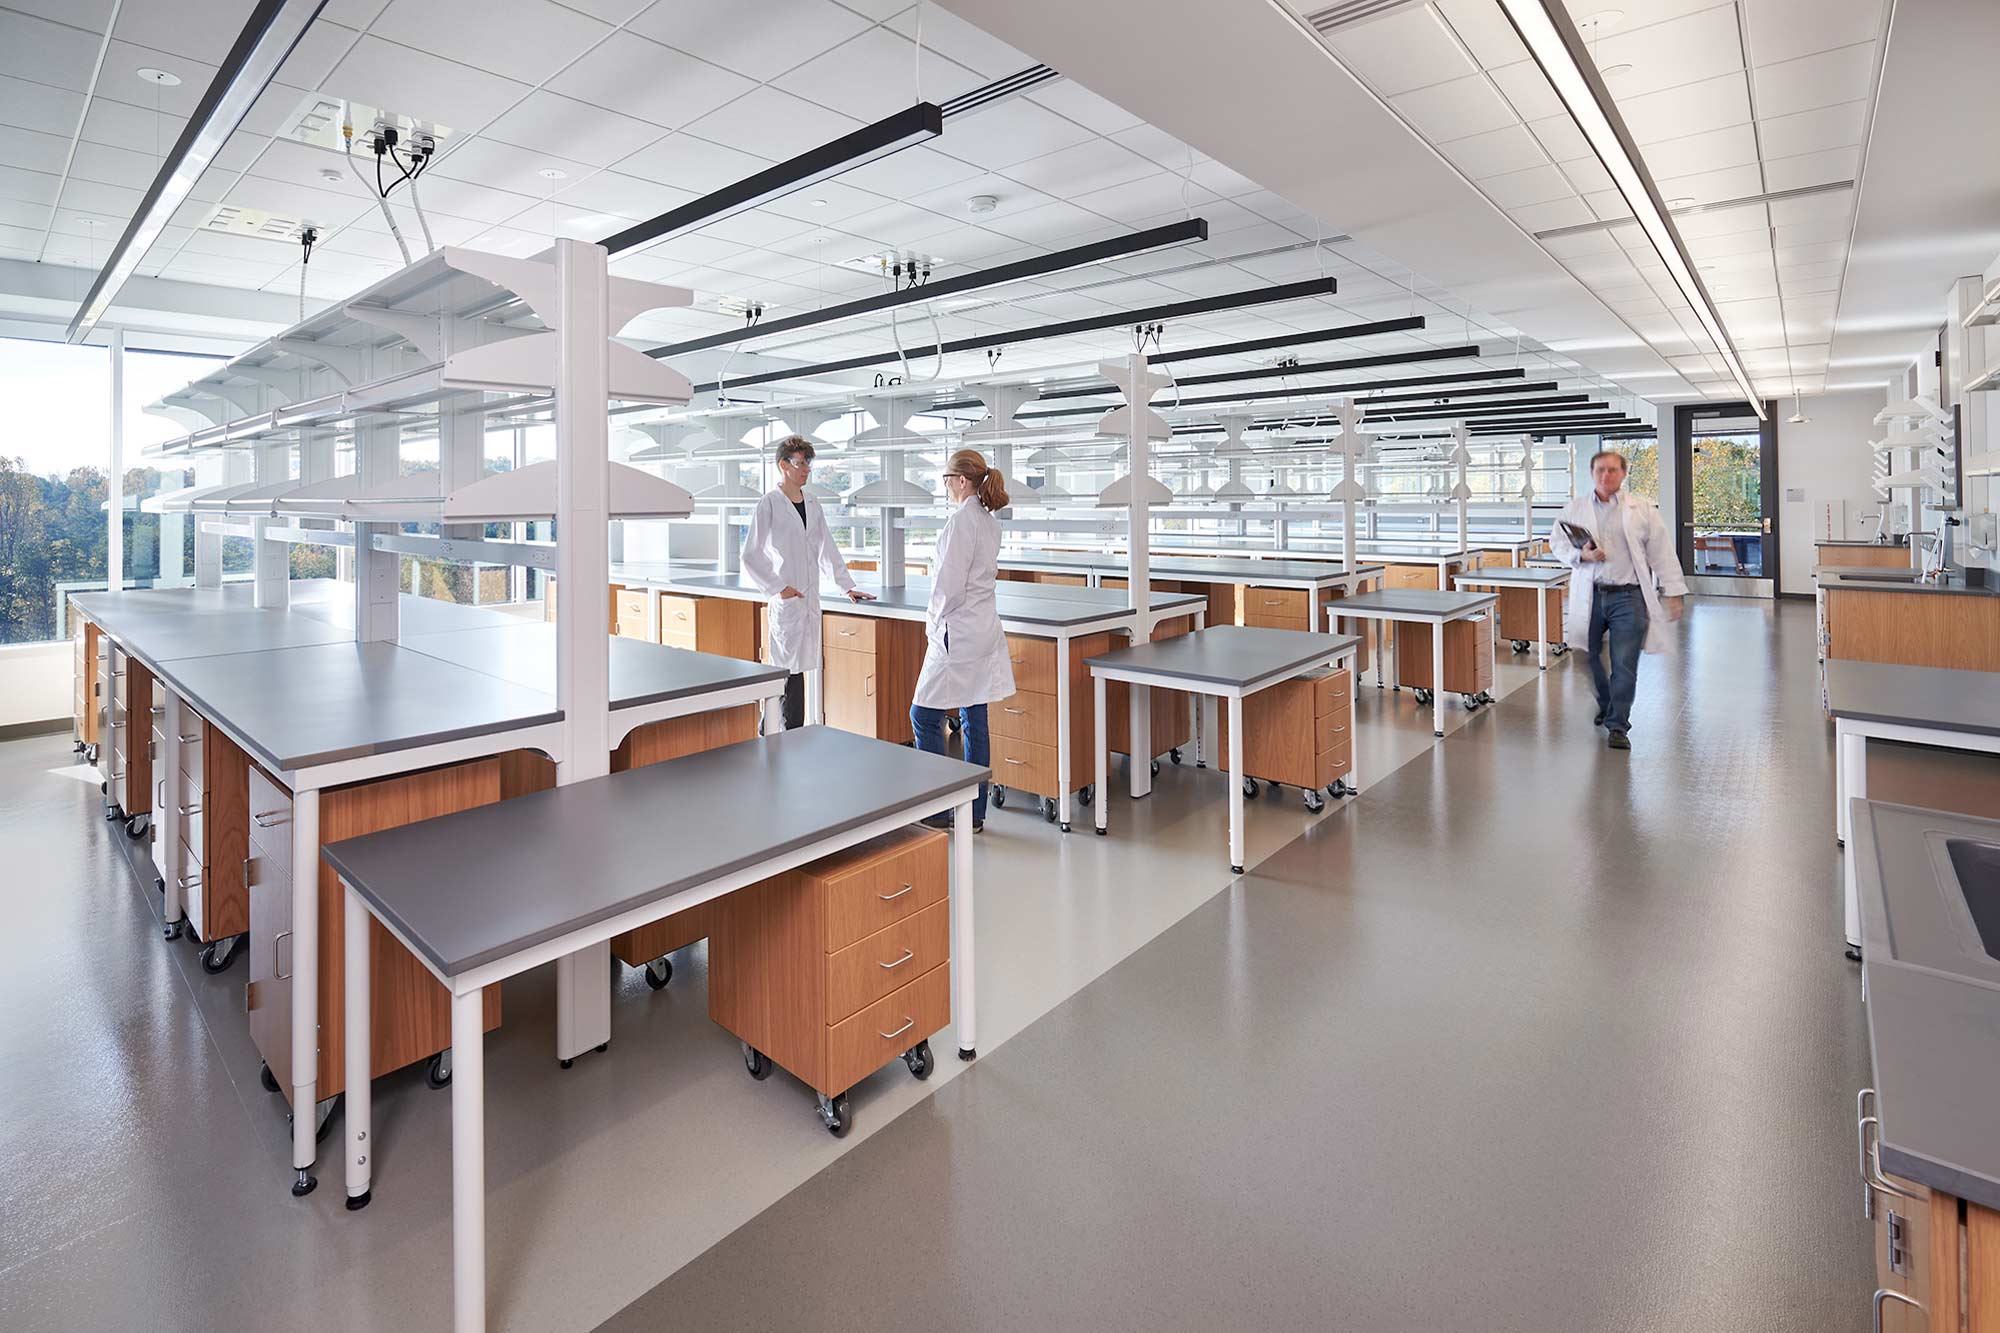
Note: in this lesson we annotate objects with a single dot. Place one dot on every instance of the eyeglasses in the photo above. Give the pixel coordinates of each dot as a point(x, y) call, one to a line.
point(803, 464)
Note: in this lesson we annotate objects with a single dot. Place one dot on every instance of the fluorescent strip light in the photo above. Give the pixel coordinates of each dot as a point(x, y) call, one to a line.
point(1188, 232)
point(273, 29)
point(911, 125)
point(1545, 28)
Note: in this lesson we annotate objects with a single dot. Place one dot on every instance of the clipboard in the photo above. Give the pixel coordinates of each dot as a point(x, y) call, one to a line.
point(1580, 536)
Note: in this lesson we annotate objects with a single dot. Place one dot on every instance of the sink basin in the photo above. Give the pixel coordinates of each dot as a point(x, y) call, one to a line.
point(1908, 576)
point(1977, 866)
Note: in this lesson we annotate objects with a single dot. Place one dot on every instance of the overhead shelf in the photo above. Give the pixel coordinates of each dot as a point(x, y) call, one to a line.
point(1987, 311)
point(1984, 382)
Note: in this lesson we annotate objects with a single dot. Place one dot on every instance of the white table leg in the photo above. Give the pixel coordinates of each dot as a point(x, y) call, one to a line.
point(305, 987)
point(583, 1002)
point(962, 990)
point(1437, 678)
point(1236, 776)
point(359, 1102)
point(1063, 777)
point(1139, 719)
point(815, 703)
point(1854, 747)
point(1542, 627)
point(468, 1162)
point(1353, 735)
point(1841, 758)
point(1103, 755)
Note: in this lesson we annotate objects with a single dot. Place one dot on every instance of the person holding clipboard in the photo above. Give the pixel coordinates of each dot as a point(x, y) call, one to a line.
point(1628, 584)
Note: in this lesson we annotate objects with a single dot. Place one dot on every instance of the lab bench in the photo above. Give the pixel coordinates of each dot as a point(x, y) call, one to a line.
point(1455, 627)
point(1531, 605)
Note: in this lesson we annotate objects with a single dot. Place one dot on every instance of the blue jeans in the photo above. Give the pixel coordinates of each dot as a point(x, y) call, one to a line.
point(928, 724)
point(1620, 614)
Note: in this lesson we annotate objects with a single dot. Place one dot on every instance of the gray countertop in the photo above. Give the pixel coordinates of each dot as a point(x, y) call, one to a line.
point(1233, 655)
point(1526, 575)
point(1392, 602)
point(1027, 607)
point(469, 888)
point(1846, 541)
point(1938, 697)
point(161, 624)
point(1209, 569)
point(641, 673)
point(1933, 1002)
point(1858, 581)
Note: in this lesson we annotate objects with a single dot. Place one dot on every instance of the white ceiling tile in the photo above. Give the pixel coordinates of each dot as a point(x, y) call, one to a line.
point(1520, 188)
point(528, 42)
point(37, 106)
point(1136, 201)
point(756, 228)
point(1055, 224)
point(93, 197)
point(32, 150)
point(120, 81)
point(896, 225)
point(1840, 126)
point(1608, 205)
point(202, 29)
point(1452, 110)
point(1555, 213)
point(1783, 29)
point(952, 37)
point(1733, 146)
point(1583, 245)
point(1746, 217)
point(1811, 233)
point(1587, 175)
point(123, 125)
point(869, 77)
point(551, 123)
point(610, 192)
point(1152, 142)
point(114, 166)
point(503, 166)
point(690, 163)
point(1405, 49)
point(1845, 74)
point(1697, 46)
point(828, 203)
point(1835, 206)
point(1483, 27)
point(1004, 133)
point(910, 172)
point(1086, 108)
point(19, 213)
point(1793, 173)
point(1495, 153)
point(463, 199)
point(1728, 244)
point(43, 52)
point(639, 78)
point(1093, 165)
point(758, 38)
point(1527, 90)
point(773, 124)
point(417, 83)
point(1695, 109)
point(1712, 187)
point(1560, 138)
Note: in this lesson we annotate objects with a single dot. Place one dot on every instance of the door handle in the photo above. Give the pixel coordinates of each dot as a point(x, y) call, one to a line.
point(277, 940)
point(1885, 1294)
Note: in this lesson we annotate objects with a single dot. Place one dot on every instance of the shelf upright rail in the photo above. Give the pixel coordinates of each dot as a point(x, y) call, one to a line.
point(1138, 491)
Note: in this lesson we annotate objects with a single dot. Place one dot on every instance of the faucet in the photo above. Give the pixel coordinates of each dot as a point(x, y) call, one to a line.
point(1881, 534)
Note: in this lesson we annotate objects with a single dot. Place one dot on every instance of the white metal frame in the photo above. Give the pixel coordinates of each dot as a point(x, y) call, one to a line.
point(468, 1081)
point(1233, 696)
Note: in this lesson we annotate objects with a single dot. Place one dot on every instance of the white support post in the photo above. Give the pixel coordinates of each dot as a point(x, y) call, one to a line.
point(114, 561)
point(377, 581)
point(358, 1112)
point(583, 561)
point(304, 985)
point(270, 562)
point(894, 568)
point(1103, 802)
point(468, 1153)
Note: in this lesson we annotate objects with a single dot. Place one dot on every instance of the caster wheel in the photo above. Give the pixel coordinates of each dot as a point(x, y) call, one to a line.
point(1048, 810)
point(437, 1073)
point(1236, 870)
point(1250, 789)
point(1336, 788)
point(999, 797)
point(834, 1115)
point(758, 1063)
point(1520, 645)
point(1156, 768)
point(968, 1053)
point(1175, 754)
point(1104, 833)
point(1853, 953)
point(920, 1061)
point(135, 827)
point(1085, 795)
point(173, 932)
point(1065, 828)
point(103, 789)
point(1470, 700)
point(602, 1047)
point(1424, 697)
point(659, 972)
point(1274, 789)
point(1314, 801)
point(566, 1064)
point(159, 885)
point(267, 1078)
point(218, 955)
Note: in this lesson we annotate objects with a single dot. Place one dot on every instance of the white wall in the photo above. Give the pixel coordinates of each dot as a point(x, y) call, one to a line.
point(1829, 461)
point(35, 681)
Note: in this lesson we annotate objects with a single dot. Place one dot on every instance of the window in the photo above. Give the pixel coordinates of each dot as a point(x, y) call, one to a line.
point(1643, 459)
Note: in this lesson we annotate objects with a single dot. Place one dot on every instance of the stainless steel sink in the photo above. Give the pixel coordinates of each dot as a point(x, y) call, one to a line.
point(1977, 867)
point(1886, 576)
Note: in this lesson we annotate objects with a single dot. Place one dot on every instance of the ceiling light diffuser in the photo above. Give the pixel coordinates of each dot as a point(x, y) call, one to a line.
point(1545, 28)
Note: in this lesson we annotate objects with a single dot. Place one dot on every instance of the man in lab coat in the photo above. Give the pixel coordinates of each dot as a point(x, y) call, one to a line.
point(1628, 584)
point(786, 550)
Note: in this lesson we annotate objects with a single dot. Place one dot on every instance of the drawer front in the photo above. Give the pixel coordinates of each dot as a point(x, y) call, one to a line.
point(856, 634)
point(1034, 663)
point(1292, 602)
point(858, 1046)
point(1331, 691)
point(1410, 576)
point(863, 973)
point(1330, 730)
point(675, 637)
point(677, 618)
point(868, 898)
point(1337, 762)
point(1253, 617)
point(194, 889)
point(631, 611)
point(1024, 716)
point(193, 764)
point(270, 822)
point(847, 692)
point(268, 996)
point(1026, 766)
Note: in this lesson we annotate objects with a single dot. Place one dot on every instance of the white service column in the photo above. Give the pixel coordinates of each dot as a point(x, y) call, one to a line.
point(583, 560)
point(271, 562)
point(114, 562)
point(1139, 583)
point(377, 581)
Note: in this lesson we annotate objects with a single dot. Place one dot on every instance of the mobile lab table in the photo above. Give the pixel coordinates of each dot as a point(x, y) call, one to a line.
point(1538, 582)
point(1423, 606)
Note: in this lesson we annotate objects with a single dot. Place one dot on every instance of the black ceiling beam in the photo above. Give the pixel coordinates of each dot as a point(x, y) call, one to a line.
point(1288, 291)
point(911, 125)
point(1568, 404)
point(1276, 372)
point(1187, 232)
point(1302, 391)
point(1403, 325)
point(1531, 386)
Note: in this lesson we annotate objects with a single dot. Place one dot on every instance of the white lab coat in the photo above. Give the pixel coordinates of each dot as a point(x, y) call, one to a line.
point(780, 553)
point(966, 662)
point(1653, 561)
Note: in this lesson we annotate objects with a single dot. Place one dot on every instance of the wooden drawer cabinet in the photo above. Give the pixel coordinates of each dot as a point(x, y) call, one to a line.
point(1024, 729)
point(1289, 603)
point(869, 674)
point(1517, 614)
point(214, 811)
point(1020, 765)
point(85, 695)
point(1033, 662)
point(1410, 576)
point(836, 968)
point(1025, 716)
point(1468, 655)
point(1298, 732)
point(719, 625)
point(854, 634)
point(628, 613)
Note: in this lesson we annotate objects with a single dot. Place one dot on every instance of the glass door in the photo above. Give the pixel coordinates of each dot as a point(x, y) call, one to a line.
point(1727, 461)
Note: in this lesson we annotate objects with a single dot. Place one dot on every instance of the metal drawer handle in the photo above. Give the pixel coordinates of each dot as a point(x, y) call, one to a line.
point(907, 956)
point(1273, 601)
point(1871, 1160)
point(847, 633)
point(1022, 762)
point(189, 740)
point(275, 973)
point(188, 809)
point(1017, 712)
point(1340, 728)
point(188, 881)
point(891, 897)
point(270, 817)
point(1885, 1294)
point(152, 751)
point(157, 709)
point(909, 1023)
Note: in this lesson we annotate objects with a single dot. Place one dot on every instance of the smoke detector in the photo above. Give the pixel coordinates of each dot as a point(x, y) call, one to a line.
point(982, 203)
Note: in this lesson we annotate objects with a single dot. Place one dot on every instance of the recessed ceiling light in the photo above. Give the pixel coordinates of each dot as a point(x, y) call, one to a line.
point(553, 174)
point(816, 203)
point(160, 77)
point(1617, 71)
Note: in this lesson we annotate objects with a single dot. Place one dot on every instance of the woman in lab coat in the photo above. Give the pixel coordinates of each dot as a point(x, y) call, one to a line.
point(787, 547)
point(966, 665)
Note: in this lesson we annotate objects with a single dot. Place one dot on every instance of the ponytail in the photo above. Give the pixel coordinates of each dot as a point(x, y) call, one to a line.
point(990, 485)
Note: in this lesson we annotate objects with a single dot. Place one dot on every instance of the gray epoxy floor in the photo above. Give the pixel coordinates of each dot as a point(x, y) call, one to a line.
point(1573, 1050)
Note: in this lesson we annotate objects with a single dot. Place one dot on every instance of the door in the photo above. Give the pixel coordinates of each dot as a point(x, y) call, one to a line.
point(1726, 464)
